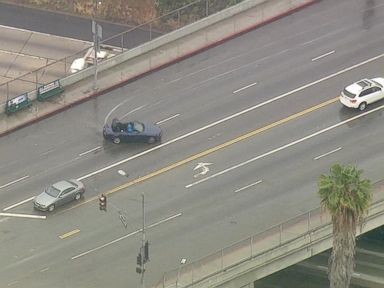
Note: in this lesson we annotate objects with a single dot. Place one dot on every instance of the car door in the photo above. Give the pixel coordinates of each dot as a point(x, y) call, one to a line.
point(130, 134)
point(66, 196)
point(370, 95)
point(377, 94)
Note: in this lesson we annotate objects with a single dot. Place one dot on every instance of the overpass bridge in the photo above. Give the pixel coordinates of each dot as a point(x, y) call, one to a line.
point(263, 254)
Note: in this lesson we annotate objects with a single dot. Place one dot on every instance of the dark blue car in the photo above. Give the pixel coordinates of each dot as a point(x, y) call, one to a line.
point(133, 131)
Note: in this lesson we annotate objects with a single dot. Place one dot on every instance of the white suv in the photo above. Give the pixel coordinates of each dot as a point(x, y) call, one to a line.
point(363, 92)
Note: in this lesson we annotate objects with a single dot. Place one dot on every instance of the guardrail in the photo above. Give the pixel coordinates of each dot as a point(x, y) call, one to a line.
point(169, 22)
point(253, 247)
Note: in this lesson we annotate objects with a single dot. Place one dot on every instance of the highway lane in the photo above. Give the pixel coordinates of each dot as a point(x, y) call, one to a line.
point(213, 214)
point(167, 202)
point(276, 80)
point(23, 51)
point(67, 25)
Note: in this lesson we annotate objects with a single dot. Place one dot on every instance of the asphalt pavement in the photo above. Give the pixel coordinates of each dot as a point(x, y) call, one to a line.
point(84, 90)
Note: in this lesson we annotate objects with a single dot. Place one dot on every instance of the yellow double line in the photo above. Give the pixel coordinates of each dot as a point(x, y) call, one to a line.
point(209, 151)
point(221, 146)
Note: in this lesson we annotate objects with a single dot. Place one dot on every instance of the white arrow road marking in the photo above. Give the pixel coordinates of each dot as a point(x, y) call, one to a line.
point(204, 169)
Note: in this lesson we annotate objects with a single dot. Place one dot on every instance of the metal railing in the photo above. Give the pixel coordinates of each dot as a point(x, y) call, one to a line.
point(123, 41)
point(247, 249)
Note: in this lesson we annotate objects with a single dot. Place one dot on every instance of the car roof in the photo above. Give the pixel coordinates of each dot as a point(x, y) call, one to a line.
point(62, 185)
point(360, 85)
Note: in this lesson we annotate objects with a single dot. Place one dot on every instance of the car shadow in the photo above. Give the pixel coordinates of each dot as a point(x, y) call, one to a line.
point(346, 113)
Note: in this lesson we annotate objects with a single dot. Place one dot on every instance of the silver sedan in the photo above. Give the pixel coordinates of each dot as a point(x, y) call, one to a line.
point(59, 194)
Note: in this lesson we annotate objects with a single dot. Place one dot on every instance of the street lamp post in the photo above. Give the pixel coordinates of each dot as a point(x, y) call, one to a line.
point(97, 35)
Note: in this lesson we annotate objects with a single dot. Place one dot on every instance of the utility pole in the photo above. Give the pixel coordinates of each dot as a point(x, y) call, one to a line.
point(97, 36)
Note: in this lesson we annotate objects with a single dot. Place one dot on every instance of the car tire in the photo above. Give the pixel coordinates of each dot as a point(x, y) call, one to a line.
point(78, 196)
point(116, 140)
point(51, 208)
point(151, 140)
point(362, 106)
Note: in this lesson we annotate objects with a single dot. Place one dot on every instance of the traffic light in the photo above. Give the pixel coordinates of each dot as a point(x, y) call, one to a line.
point(103, 203)
point(139, 260)
point(140, 264)
point(146, 252)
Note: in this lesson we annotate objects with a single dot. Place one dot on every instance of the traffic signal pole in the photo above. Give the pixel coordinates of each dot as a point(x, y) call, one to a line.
point(143, 252)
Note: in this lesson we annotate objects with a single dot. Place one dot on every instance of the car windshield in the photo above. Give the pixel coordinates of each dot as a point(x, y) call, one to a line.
point(137, 126)
point(377, 83)
point(52, 191)
point(348, 94)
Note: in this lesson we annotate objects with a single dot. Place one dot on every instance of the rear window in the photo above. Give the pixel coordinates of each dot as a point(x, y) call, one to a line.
point(348, 94)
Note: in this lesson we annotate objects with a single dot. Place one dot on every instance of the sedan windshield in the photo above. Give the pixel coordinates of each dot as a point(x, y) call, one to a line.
point(52, 191)
point(139, 127)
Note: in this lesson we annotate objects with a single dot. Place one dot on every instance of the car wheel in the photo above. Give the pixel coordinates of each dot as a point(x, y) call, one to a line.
point(51, 207)
point(362, 106)
point(151, 140)
point(116, 140)
point(77, 196)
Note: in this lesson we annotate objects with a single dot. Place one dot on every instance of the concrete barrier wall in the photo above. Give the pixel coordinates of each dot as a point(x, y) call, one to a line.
point(290, 253)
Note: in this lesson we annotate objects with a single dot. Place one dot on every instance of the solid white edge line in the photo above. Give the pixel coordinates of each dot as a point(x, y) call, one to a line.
point(245, 87)
point(123, 237)
point(89, 151)
point(322, 56)
point(23, 215)
point(14, 181)
point(328, 153)
point(19, 203)
point(248, 186)
point(167, 119)
point(285, 146)
point(228, 118)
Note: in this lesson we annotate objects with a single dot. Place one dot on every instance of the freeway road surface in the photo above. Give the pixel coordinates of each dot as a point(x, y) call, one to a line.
point(260, 112)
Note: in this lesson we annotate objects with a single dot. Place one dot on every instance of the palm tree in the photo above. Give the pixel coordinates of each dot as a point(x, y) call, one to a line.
point(347, 197)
